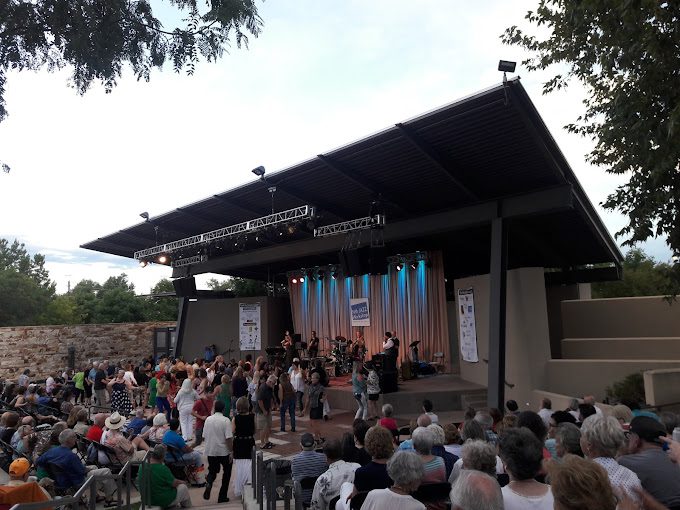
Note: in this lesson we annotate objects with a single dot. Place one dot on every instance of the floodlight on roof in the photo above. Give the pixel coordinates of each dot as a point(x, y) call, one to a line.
point(145, 215)
point(507, 66)
point(143, 263)
point(259, 171)
point(163, 259)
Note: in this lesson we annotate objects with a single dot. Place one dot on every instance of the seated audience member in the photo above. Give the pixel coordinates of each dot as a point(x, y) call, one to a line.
point(380, 446)
point(181, 449)
point(557, 418)
point(70, 472)
point(535, 424)
point(584, 411)
point(472, 430)
point(573, 408)
point(47, 439)
point(81, 427)
point(601, 439)
point(328, 484)
point(623, 414)
point(18, 476)
point(434, 469)
point(477, 455)
point(94, 433)
point(670, 421)
point(165, 490)
point(307, 464)
point(125, 449)
point(476, 490)
point(657, 473)
point(512, 407)
point(158, 429)
point(422, 422)
point(567, 440)
point(452, 440)
point(10, 422)
point(590, 400)
point(359, 429)
point(406, 469)
point(578, 484)
point(439, 450)
point(137, 423)
point(545, 412)
point(428, 408)
point(509, 421)
point(387, 421)
point(486, 421)
point(522, 454)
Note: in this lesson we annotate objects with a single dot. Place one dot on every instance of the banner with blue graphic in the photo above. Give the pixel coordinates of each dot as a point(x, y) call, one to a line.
point(360, 314)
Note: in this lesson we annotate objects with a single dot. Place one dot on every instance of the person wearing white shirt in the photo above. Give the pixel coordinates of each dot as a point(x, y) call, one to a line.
point(218, 446)
point(546, 411)
point(427, 409)
point(406, 470)
point(590, 399)
point(327, 486)
point(50, 384)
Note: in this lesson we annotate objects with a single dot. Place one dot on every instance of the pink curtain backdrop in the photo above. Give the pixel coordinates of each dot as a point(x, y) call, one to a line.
point(411, 302)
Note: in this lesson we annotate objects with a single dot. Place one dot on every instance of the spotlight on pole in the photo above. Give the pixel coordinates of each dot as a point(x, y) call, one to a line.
point(143, 263)
point(259, 171)
point(145, 215)
point(163, 259)
point(414, 265)
point(302, 279)
point(294, 280)
point(334, 275)
point(399, 267)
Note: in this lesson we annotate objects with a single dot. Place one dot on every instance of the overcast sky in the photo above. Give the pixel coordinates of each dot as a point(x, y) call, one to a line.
point(320, 75)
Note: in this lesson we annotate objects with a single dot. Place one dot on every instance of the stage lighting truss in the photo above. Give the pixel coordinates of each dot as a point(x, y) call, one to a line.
point(411, 260)
point(377, 221)
point(304, 212)
point(313, 274)
point(188, 261)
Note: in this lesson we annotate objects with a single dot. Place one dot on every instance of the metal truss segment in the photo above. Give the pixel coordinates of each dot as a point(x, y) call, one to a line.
point(367, 222)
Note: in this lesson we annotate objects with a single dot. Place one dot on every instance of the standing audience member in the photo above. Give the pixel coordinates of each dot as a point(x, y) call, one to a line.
point(601, 439)
point(657, 473)
point(185, 399)
point(200, 412)
point(328, 484)
point(373, 390)
point(162, 390)
point(314, 405)
point(406, 469)
point(307, 464)
point(522, 454)
point(263, 411)
point(287, 399)
point(217, 432)
point(99, 383)
point(475, 490)
point(359, 391)
point(297, 379)
point(243, 427)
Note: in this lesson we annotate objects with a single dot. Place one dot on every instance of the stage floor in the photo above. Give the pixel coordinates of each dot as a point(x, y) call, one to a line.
point(447, 392)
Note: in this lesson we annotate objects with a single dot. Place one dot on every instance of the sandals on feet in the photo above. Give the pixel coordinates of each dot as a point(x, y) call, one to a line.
point(268, 446)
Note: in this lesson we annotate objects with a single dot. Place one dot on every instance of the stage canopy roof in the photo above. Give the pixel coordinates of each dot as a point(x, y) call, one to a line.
point(441, 178)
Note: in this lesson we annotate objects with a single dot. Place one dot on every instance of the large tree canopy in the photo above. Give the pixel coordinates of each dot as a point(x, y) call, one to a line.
point(627, 55)
point(97, 38)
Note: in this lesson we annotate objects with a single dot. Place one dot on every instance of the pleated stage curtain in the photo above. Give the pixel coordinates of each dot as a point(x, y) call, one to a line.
point(411, 302)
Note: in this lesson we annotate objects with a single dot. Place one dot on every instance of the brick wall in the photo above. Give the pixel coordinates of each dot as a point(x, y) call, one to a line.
point(44, 349)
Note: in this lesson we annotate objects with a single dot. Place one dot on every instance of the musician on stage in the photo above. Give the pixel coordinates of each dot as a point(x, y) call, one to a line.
point(391, 348)
point(313, 346)
point(358, 347)
point(289, 345)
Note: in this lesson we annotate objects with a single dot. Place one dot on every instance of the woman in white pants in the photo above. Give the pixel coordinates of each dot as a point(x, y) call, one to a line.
point(185, 399)
point(359, 390)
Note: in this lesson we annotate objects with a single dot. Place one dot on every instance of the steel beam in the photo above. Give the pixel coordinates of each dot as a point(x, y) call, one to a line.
point(497, 313)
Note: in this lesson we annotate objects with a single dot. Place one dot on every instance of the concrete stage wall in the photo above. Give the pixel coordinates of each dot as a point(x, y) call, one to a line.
point(215, 321)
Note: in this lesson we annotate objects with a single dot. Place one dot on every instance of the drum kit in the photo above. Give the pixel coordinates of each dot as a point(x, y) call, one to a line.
point(341, 356)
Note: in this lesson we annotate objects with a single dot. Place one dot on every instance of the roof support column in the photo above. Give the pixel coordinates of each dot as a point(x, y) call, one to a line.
point(183, 309)
point(497, 309)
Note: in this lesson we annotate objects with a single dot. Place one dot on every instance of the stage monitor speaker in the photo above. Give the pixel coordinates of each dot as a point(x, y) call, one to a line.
point(185, 287)
point(388, 382)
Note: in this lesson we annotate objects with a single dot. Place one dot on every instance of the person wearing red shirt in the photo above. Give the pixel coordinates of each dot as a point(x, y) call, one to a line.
point(97, 429)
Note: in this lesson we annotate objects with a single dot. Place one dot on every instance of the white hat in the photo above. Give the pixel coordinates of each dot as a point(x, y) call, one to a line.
point(115, 421)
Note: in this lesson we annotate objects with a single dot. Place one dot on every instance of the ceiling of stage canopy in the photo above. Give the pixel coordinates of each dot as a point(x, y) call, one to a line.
point(440, 178)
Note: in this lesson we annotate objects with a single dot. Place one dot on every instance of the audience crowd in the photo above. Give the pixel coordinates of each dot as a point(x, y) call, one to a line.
point(58, 432)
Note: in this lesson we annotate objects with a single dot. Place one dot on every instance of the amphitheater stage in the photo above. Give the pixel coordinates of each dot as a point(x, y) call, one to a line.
point(449, 394)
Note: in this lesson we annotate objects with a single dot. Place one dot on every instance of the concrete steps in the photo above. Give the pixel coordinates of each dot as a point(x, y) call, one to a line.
point(622, 348)
point(475, 399)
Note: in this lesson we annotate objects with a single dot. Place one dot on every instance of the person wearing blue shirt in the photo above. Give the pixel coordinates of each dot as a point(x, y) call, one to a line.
point(70, 471)
point(137, 423)
point(176, 441)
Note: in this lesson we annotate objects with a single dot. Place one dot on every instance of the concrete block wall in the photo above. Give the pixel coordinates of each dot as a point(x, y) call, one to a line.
point(44, 349)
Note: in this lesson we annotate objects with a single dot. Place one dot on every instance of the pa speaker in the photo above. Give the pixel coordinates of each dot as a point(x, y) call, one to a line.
point(388, 382)
point(185, 287)
point(377, 260)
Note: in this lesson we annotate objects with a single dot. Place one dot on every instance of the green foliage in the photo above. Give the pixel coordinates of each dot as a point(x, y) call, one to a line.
point(62, 309)
point(626, 56)
point(162, 308)
point(631, 387)
point(642, 276)
point(98, 39)
point(245, 287)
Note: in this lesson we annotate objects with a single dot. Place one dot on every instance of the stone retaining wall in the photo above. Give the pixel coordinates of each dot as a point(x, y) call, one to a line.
point(44, 349)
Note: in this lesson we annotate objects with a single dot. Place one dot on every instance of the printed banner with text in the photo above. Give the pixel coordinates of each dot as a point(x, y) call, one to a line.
point(360, 313)
point(249, 326)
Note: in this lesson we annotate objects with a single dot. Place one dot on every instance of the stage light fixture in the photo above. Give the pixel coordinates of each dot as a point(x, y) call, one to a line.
point(414, 265)
point(259, 171)
point(145, 215)
point(163, 259)
point(302, 279)
point(321, 274)
point(294, 280)
point(291, 229)
point(143, 263)
point(399, 267)
point(334, 275)
point(507, 66)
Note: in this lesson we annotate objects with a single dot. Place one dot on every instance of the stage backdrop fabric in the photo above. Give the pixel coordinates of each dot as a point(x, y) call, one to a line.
point(411, 302)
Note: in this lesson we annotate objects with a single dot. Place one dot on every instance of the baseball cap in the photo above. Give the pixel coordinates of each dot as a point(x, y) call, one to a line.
point(307, 440)
point(647, 429)
point(19, 467)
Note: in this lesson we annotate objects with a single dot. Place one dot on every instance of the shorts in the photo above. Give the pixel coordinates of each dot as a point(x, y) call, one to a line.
point(263, 420)
point(316, 413)
point(373, 396)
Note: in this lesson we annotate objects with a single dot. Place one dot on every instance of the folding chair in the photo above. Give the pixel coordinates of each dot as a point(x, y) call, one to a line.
point(178, 466)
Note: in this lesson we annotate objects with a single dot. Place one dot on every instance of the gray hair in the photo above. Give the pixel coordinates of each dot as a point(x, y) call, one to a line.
point(573, 404)
point(484, 419)
point(159, 452)
point(405, 469)
point(272, 379)
point(65, 436)
point(437, 434)
point(479, 455)
point(474, 490)
point(604, 434)
point(423, 441)
point(387, 410)
point(569, 436)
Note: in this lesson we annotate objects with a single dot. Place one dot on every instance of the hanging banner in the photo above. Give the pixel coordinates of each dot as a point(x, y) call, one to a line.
point(467, 325)
point(249, 326)
point(360, 313)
